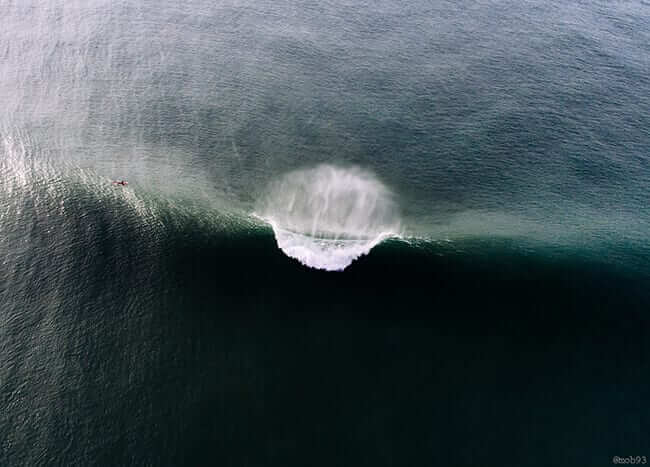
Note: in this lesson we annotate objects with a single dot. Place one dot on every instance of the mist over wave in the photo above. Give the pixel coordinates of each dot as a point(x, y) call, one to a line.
point(327, 216)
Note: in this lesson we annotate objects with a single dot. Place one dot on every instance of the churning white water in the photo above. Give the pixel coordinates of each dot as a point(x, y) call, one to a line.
point(327, 216)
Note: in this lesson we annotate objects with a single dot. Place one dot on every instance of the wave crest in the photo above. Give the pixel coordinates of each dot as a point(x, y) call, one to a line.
point(327, 216)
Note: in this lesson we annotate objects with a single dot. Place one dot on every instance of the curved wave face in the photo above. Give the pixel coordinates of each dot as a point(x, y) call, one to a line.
point(327, 216)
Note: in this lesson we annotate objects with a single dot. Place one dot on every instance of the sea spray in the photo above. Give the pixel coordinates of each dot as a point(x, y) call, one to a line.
point(327, 216)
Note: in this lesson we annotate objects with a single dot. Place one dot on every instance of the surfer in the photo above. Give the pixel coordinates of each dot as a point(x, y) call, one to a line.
point(120, 182)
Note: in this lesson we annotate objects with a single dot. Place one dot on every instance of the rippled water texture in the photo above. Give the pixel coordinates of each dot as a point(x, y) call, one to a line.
point(478, 174)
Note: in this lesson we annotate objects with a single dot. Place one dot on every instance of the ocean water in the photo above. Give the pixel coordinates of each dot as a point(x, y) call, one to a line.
point(355, 233)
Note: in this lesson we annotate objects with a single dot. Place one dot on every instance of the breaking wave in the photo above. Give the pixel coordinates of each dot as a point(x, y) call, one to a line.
point(327, 216)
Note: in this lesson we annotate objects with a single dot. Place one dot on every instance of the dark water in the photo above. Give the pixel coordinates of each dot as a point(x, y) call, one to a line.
point(502, 146)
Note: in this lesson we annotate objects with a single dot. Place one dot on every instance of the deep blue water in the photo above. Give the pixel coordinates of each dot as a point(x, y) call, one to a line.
point(480, 171)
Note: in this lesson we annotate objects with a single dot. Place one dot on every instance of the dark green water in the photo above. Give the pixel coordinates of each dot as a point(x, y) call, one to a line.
point(492, 160)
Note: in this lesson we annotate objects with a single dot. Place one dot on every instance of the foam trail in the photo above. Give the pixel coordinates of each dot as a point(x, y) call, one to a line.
point(327, 216)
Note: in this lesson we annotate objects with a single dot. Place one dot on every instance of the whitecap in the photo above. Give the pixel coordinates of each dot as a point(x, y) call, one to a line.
point(328, 216)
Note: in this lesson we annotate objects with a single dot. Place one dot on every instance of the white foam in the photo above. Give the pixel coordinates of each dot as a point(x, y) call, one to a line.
point(327, 216)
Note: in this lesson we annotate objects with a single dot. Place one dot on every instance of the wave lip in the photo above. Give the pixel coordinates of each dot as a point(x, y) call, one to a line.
point(328, 216)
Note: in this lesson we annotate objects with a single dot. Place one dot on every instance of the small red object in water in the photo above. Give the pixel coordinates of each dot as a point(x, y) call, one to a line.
point(120, 182)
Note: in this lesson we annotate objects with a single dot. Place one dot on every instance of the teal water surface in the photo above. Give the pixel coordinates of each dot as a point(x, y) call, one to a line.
point(479, 171)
